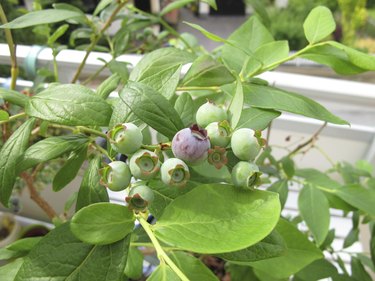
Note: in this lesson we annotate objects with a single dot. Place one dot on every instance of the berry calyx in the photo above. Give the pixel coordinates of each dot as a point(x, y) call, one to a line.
point(144, 164)
point(245, 144)
point(139, 198)
point(208, 113)
point(191, 145)
point(116, 176)
point(245, 175)
point(174, 172)
point(219, 133)
point(125, 138)
point(217, 156)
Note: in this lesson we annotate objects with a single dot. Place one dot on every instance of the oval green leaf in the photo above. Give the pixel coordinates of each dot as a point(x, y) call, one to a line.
point(61, 256)
point(10, 155)
point(41, 17)
point(152, 108)
point(314, 209)
point(13, 97)
point(300, 252)
point(193, 268)
point(102, 223)
point(266, 97)
point(218, 218)
point(319, 24)
point(70, 104)
point(51, 148)
point(163, 273)
point(256, 118)
point(91, 191)
point(270, 247)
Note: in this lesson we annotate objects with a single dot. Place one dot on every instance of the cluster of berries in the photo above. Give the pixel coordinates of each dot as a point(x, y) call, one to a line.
point(190, 146)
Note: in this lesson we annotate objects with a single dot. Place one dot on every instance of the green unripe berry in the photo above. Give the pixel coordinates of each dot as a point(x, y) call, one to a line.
point(245, 145)
point(219, 133)
point(126, 138)
point(174, 172)
point(245, 174)
point(144, 164)
point(208, 113)
point(116, 176)
point(140, 197)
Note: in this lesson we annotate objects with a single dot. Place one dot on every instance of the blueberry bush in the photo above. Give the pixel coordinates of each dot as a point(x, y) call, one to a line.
point(188, 147)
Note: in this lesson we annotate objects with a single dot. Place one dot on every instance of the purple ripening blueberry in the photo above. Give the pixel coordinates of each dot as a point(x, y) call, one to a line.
point(191, 145)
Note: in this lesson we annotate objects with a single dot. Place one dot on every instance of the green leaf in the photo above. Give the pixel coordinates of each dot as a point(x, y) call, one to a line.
point(358, 196)
point(163, 273)
point(4, 116)
point(256, 118)
point(205, 72)
point(185, 107)
point(192, 267)
point(91, 191)
point(101, 6)
point(51, 148)
point(317, 270)
point(165, 81)
point(270, 247)
point(248, 37)
point(288, 166)
point(351, 238)
point(70, 104)
point(102, 223)
point(164, 195)
point(206, 33)
point(241, 273)
point(261, 10)
point(10, 155)
point(236, 105)
point(342, 59)
point(119, 67)
point(300, 252)
point(174, 5)
point(250, 214)
point(281, 187)
point(152, 108)
point(267, 55)
point(41, 17)
point(266, 97)
point(354, 194)
point(314, 209)
point(69, 171)
point(108, 86)
point(13, 97)
point(120, 114)
point(325, 183)
point(159, 60)
point(9, 271)
point(24, 245)
point(57, 34)
point(69, 259)
point(319, 24)
point(358, 270)
point(134, 265)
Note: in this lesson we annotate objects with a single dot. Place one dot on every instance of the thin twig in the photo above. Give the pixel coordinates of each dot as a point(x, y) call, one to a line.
point(106, 25)
point(268, 134)
point(12, 50)
point(14, 68)
point(310, 140)
point(34, 195)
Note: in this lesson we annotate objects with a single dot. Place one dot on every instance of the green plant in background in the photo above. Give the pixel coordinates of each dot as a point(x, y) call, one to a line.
point(218, 199)
point(353, 17)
